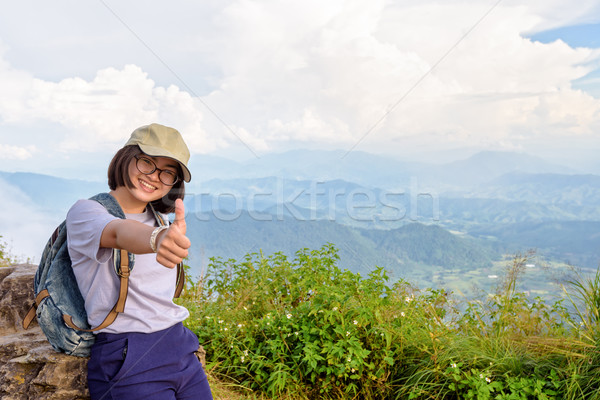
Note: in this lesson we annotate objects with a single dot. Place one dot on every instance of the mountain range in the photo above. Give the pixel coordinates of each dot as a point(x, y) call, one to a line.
point(412, 218)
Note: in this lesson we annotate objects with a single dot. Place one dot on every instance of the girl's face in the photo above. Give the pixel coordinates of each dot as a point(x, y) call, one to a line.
point(148, 187)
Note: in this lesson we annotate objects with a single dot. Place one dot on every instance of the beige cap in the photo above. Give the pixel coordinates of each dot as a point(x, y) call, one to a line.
point(161, 141)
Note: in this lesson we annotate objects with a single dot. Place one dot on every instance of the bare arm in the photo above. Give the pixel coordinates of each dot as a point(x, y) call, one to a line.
point(133, 236)
point(126, 234)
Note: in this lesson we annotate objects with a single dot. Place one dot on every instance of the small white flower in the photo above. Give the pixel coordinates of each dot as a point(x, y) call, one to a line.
point(220, 321)
point(481, 376)
point(408, 299)
point(488, 380)
point(348, 359)
point(240, 325)
point(355, 322)
point(334, 308)
point(245, 352)
point(225, 329)
point(296, 333)
point(453, 365)
point(347, 333)
point(402, 314)
point(353, 370)
point(242, 358)
point(289, 316)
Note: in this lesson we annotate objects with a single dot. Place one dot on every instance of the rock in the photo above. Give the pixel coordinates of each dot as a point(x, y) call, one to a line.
point(30, 368)
point(16, 294)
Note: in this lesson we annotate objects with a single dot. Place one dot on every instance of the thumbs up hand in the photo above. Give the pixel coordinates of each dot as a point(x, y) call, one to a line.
point(172, 244)
point(180, 216)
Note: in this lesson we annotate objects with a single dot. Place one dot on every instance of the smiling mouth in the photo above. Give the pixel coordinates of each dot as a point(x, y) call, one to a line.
point(147, 185)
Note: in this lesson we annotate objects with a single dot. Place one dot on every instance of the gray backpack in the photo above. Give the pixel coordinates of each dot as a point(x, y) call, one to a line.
point(59, 305)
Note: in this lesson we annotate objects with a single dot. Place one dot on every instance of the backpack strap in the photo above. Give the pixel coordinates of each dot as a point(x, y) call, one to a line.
point(42, 294)
point(119, 306)
point(32, 310)
point(180, 271)
point(123, 262)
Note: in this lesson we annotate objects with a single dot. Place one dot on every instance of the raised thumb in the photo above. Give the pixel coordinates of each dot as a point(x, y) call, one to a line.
point(180, 215)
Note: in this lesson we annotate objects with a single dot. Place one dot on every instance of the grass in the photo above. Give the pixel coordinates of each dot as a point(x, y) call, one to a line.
point(304, 328)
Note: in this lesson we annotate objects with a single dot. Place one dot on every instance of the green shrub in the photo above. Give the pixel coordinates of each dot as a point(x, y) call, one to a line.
point(306, 326)
point(306, 329)
point(6, 258)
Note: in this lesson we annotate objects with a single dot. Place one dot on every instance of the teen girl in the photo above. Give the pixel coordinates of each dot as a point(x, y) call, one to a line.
point(146, 353)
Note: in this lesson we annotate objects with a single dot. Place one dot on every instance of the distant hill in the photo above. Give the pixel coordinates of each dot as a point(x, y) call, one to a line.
point(318, 165)
point(465, 212)
point(576, 190)
point(51, 194)
point(376, 210)
point(572, 242)
point(432, 245)
point(486, 166)
point(400, 251)
point(371, 170)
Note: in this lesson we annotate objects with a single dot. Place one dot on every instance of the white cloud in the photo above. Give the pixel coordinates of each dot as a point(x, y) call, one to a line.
point(9, 152)
point(557, 13)
point(101, 113)
point(435, 74)
point(333, 79)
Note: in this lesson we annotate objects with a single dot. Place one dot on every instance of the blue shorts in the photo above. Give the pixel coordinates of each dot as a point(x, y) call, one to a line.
point(149, 366)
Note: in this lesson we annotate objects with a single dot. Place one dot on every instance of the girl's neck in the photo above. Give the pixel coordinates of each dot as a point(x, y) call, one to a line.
point(128, 203)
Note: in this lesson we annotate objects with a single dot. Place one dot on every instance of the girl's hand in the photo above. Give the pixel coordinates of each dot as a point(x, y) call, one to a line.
point(172, 244)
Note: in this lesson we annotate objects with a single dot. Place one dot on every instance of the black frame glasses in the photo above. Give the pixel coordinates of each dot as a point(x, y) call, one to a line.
point(149, 163)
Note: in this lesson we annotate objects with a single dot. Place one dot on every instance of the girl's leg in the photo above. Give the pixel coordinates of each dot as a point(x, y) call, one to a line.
point(196, 388)
point(152, 366)
point(193, 384)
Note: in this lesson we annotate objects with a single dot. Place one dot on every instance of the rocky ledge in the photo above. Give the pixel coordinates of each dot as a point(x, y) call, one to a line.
point(29, 367)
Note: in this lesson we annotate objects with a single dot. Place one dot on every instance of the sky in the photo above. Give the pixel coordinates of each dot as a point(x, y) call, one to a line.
point(243, 78)
point(415, 80)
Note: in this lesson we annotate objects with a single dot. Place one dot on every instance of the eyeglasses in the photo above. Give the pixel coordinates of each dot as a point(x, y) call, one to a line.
point(147, 166)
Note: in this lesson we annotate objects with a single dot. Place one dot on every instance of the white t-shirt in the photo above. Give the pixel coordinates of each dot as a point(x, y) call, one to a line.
point(149, 306)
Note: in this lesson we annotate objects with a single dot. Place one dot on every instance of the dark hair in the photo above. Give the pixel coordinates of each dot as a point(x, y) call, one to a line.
point(118, 175)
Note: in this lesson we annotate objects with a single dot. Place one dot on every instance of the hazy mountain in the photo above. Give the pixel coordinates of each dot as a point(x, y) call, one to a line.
point(204, 167)
point(318, 165)
point(432, 245)
point(367, 206)
point(261, 193)
point(573, 242)
point(400, 251)
point(487, 166)
point(580, 190)
point(51, 194)
point(458, 212)
point(370, 170)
